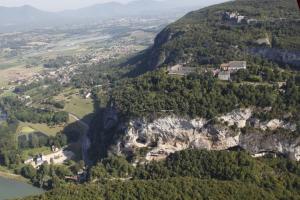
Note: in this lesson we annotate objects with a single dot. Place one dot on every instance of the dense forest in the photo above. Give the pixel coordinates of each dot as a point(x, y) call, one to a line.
point(190, 174)
point(8, 145)
point(17, 110)
point(157, 93)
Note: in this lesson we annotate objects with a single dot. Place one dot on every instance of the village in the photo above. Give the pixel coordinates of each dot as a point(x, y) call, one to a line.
point(58, 156)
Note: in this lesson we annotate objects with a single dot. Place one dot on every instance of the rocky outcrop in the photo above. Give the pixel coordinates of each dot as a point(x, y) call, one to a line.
point(169, 134)
point(237, 117)
point(156, 55)
point(263, 41)
point(278, 55)
point(258, 143)
point(275, 124)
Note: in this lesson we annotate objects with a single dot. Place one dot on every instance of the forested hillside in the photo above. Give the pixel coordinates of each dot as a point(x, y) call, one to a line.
point(202, 96)
point(202, 40)
point(149, 133)
point(204, 37)
point(189, 174)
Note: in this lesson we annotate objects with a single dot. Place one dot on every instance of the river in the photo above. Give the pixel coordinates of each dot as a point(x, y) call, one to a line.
point(10, 189)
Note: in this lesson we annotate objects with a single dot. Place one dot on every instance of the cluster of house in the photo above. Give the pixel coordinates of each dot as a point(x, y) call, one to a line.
point(235, 17)
point(117, 49)
point(63, 74)
point(226, 69)
point(58, 156)
point(36, 160)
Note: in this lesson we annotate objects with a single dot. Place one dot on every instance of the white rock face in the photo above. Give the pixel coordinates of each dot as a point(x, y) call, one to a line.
point(167, 135)
point(275, 124)
point(238, 117)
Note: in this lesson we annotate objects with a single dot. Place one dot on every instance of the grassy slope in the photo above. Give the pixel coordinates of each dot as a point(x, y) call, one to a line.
point(26, 128)
point(76, 104)
point(79, 106)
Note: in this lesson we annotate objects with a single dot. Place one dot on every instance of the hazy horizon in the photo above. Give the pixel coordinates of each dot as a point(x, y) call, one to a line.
point(60, 5)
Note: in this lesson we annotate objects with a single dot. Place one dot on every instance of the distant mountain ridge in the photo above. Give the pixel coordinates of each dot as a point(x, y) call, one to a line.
point(27, 16)
point(15, 14)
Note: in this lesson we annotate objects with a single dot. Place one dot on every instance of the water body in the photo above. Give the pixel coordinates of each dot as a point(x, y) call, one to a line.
point(10, 189)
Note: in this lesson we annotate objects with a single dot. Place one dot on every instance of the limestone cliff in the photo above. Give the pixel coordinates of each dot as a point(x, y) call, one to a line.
point(278, 55)
point(169, 134)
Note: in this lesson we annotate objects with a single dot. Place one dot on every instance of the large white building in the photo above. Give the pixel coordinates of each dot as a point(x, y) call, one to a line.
point(234, 66)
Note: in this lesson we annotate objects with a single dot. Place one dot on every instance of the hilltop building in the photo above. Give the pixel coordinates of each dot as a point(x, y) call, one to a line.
point(233, 66)
point(226, 69)
point(180, 70)
point(234, 17)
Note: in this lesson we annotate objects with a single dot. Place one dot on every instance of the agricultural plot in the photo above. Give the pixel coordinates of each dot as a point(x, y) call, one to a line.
point(16, 73)
point(27, 128)
point(75, 103)
point(79, 106)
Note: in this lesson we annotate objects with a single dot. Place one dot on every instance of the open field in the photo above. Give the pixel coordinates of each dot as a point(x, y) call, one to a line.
point(15, 73)
point(43, 128)
point(6, 65)
point(79, 106)
point(26, 130)
point(76, 104)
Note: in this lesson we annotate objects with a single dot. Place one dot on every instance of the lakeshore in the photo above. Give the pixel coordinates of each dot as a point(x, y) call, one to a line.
point(13, 187)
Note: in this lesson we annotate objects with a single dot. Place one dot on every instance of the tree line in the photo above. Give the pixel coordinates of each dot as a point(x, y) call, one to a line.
point(189, 174)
